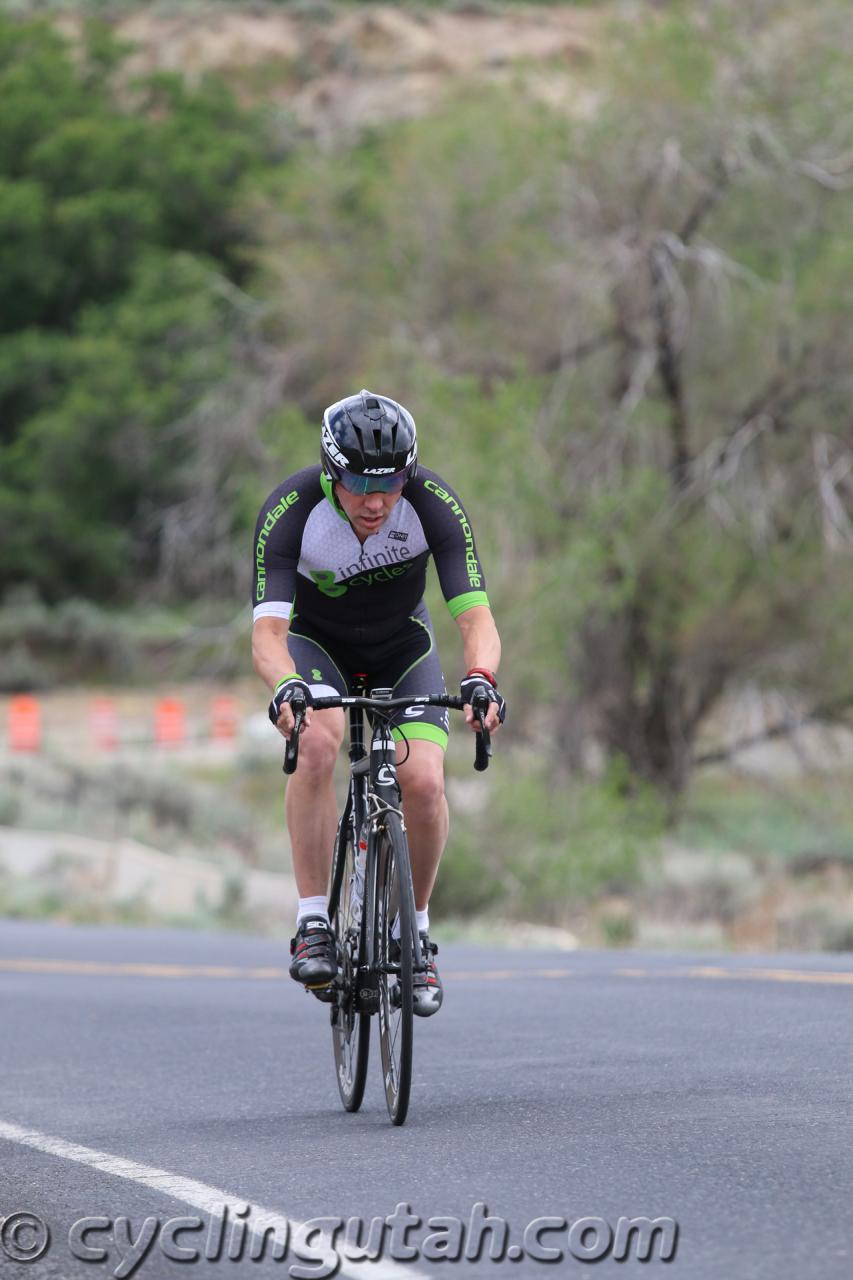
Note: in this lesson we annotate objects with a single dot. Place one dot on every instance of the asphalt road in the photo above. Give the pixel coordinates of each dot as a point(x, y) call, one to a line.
point(154, 1075)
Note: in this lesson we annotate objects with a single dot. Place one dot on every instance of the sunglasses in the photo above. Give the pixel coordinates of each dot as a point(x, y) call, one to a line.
point(360, 485)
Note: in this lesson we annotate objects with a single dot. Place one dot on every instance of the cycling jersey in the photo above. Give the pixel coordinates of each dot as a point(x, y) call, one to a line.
point(309, 561)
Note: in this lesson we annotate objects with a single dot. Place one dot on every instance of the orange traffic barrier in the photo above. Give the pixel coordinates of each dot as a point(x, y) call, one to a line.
point(223, 719)
point(24, 723)
point(170, 722)
point(103, 722)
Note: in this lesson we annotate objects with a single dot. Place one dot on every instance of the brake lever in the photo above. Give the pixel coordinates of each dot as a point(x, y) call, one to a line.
point(480, 706)
point(291, 751)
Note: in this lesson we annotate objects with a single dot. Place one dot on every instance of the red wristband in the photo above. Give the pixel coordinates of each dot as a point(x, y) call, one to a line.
point(482, 671)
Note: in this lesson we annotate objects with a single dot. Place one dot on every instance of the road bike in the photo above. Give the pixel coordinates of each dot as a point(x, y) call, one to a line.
point(371, 899)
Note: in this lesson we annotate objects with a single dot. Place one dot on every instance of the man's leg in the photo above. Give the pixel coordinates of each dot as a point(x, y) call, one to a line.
point(311, 821)
point(310, 805)
point(425, 809)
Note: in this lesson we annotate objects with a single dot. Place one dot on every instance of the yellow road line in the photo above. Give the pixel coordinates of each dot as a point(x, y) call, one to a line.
point(824, 976)
point(105, 968)
point(97, 968)
point(483, 975)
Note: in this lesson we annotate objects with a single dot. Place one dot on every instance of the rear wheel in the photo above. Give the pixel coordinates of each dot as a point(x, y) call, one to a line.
point(396, 959)
point(350, 1029)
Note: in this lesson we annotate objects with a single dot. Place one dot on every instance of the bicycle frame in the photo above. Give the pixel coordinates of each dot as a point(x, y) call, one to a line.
point(373, 823)
point(374, 775)
point(374, 791)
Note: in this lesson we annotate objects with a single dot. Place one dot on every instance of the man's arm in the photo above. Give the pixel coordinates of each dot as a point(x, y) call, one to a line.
point(463, 583)
point(481, 646)
point(481, 643)
point(277, 543)
point(272, 661)
point(270, 654)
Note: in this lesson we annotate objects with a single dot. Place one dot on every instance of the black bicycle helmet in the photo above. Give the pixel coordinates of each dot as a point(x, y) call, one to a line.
point(371, 436)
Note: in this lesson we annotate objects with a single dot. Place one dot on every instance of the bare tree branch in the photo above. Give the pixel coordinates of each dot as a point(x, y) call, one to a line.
point(559, 360)
point(705, 204)
point(824, 178)
point(827, 711)
point(837, 524)
point(668, 362)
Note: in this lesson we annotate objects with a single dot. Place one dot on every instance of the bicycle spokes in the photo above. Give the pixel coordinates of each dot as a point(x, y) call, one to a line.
point(395, 905)
point(350, 1027)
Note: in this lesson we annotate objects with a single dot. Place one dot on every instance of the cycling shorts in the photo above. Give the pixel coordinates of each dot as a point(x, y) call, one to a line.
point(407, 662)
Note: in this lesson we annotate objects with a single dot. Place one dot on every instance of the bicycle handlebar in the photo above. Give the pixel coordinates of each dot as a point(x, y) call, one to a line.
point(479, 704)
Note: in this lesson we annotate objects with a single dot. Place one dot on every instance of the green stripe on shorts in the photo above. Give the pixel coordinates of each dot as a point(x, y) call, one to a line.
point(426, 732)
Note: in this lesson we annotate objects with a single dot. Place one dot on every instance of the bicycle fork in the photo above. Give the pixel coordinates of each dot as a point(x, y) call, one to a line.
point(384, 803)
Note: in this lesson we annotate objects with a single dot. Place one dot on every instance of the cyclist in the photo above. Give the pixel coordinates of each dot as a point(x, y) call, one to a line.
point(341, 552)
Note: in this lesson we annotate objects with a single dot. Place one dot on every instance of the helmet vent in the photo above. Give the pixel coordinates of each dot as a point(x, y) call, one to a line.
point(377, 438)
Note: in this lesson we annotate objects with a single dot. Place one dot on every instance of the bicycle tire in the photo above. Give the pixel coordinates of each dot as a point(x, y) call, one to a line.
point(394, 893)
point(350, 1028)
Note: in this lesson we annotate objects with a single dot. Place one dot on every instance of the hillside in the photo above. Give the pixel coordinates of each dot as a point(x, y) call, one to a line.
point(623, 326)
point(335, 71)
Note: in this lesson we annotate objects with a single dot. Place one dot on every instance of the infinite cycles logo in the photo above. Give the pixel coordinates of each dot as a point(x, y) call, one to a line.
point(320, 1247)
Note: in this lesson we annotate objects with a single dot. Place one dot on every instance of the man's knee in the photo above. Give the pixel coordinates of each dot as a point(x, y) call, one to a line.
point(320, 744)
point(423, 784)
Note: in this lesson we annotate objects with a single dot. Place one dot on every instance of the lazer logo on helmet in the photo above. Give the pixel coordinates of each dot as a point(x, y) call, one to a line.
point(472, 564)
point(266, 529)
point(378, 471)
point(331, 447)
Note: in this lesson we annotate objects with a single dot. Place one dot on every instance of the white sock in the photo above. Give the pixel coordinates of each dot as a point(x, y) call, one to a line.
point(314, 907)
point(422, 918)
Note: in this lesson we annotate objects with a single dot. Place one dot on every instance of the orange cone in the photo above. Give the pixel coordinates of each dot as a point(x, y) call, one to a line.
point(170, 723)
point(24, 723)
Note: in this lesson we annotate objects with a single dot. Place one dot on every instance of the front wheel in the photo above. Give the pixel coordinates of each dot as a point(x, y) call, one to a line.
point(350, 1028)
point(396, 959)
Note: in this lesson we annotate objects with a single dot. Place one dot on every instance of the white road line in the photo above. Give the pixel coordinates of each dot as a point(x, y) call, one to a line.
point(212, 1201)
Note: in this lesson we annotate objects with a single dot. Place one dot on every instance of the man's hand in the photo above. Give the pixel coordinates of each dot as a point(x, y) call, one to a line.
point(479, 678)
point(280, 711)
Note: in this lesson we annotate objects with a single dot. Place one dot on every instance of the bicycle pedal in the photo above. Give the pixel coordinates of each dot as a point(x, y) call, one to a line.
point(326, 995)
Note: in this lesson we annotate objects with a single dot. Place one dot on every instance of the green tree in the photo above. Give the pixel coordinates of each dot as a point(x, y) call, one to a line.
point(629, 328)
point(122, 249)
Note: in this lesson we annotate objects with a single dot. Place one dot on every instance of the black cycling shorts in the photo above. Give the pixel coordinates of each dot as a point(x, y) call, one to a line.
point(406, 662)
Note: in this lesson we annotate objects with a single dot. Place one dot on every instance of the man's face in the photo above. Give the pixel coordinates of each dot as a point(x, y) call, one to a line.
point(367, 512)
